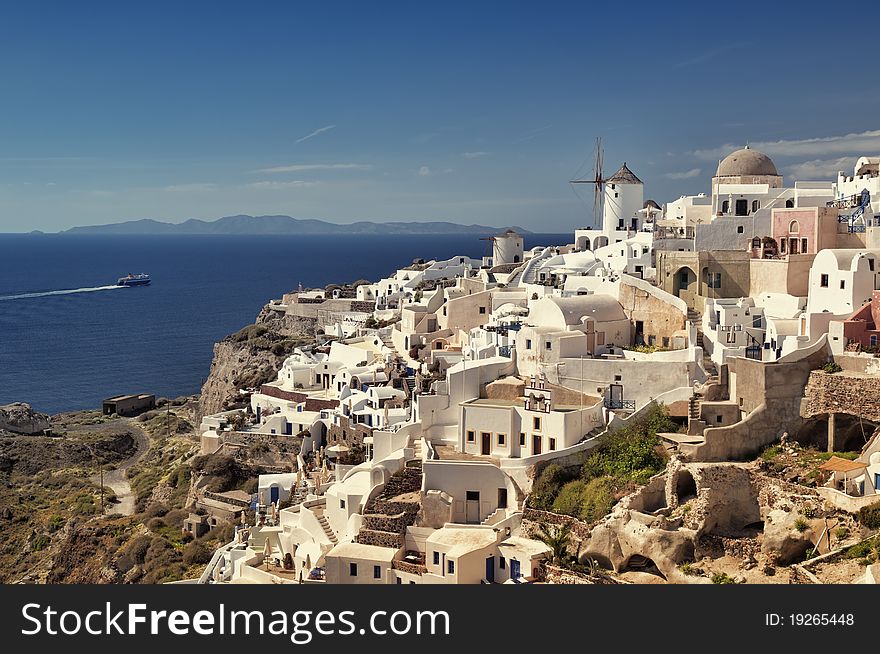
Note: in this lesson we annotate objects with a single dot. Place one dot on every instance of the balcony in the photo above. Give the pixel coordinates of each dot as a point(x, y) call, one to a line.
point(620, 405)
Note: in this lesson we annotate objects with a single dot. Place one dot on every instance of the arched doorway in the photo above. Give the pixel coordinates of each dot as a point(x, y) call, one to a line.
point(684, 281)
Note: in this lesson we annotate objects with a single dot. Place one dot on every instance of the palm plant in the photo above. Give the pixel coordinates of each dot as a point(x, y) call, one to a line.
point(557, 538)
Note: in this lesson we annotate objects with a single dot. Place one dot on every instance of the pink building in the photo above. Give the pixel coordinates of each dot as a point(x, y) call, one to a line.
point(804, 230)
point(862, 326)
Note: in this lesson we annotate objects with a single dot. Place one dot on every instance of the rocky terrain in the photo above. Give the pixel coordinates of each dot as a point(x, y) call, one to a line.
point(251, 357)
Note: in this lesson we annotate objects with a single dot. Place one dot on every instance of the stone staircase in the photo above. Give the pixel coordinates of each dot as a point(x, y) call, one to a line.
point(387, 516)
point(325, 525)
point(496, 516)
point(419, 449)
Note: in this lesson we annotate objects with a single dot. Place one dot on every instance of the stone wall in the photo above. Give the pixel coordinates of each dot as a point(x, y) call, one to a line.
point(347, 433)
point(840, 392)
point(770, 394)
point(659, 318)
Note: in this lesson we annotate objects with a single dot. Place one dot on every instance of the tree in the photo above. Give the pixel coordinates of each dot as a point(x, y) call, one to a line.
point(557, 538)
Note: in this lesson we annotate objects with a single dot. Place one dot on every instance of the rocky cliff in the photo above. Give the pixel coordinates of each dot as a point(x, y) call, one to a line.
point(20, 418)
point(251, 357)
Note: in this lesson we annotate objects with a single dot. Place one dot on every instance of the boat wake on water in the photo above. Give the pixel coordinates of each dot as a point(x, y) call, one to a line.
point(69, 291)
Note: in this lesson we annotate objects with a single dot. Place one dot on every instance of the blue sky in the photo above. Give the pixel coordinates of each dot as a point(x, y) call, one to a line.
point(469, 112)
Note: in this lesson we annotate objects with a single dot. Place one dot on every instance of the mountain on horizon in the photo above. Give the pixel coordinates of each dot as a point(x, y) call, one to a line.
point(278, 225)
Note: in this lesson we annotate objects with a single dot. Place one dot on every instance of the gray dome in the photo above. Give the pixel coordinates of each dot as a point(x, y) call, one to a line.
point(746, 162)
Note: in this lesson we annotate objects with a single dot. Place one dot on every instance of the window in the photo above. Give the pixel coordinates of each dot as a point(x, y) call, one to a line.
point(789, 204)
point(536, 423)
point(548, 345)
point(502, 439)
point(399, 580)
point(714, 280)
point(665, 341)
point(352, 569)
point(782, 246)
point(471, 436)
point(870, 264)
point(450, 566)
point(341, 504)
point(756, 204)
point(436, 558)
point(873, 339)
point(725, 206)
point(823, 281)
point(482, 310)
point(522, 439)
point(742, 207)
point(719, 419)
point(618, 377)
point(501, 562)
point(804, 245)
point(794, 227)
point(683, 279)
point(377, 572)
point(619, 223)
point(528, 344)
point(740, 229)
point(842, 284)
point(552, 444)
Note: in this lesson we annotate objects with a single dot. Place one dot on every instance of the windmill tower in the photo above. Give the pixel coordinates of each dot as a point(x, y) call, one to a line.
point(617, 201)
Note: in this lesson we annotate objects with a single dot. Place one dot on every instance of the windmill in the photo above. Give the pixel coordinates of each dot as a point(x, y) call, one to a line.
point(598, 182)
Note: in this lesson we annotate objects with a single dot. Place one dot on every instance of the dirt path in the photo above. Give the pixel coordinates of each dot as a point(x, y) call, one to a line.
point(116, 479)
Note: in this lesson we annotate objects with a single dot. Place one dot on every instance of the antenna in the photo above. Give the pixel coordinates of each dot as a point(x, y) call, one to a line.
point(598, 182)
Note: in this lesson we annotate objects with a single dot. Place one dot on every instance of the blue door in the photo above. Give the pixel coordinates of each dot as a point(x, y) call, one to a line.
point(514, 569)
point(273, 494)
point(877, 481)
point(490, 569)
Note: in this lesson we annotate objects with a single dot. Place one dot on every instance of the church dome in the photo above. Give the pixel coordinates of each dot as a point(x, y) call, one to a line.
point(746, 162)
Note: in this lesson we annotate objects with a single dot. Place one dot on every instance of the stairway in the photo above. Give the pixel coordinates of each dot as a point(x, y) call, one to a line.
point(325, 525)
point(419, 449)
point(410, 384)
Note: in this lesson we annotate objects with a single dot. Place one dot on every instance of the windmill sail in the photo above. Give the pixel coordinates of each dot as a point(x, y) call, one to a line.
point(598, 182)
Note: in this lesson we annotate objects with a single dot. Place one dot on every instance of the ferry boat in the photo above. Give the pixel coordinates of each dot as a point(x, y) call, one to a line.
point(134, 280)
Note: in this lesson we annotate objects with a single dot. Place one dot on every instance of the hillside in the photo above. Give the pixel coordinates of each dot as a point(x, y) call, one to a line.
point(277, 225)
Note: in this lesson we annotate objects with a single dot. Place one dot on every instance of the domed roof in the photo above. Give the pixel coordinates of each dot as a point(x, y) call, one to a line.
point(746, 162)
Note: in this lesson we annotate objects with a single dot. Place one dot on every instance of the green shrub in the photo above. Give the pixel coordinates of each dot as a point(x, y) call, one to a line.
point(56, 522)
point(861, 550)
point(547, 486)
point(832, 367)
point(40, 542)
point(801, 525)
point(771, 452)
point(722, 578)
point(841, 532)
point(196, 553)
point(869, 516)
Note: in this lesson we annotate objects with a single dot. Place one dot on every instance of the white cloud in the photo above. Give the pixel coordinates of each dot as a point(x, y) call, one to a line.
point(320, 130)
point(687, 174)
point(275, 185)
point(817, 169)
point(475, 155)
point(298, 168)
point(855, 143)
point(186, 188)
point(424, 171)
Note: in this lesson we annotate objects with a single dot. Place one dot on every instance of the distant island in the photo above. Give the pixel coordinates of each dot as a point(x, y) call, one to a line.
point(273, 225)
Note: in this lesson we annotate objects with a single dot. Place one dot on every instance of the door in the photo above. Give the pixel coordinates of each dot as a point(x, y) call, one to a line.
point(514, 569)
point(273, 494)
point(502, 498)
point(472, 511)
point(487, 444)
point(536, 444)
point(490, 569)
